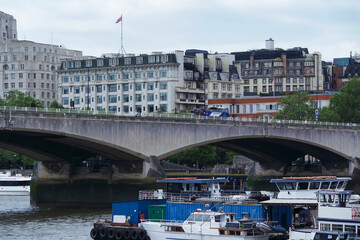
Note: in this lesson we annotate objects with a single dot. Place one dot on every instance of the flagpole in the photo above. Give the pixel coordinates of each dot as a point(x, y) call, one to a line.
point(122, 47)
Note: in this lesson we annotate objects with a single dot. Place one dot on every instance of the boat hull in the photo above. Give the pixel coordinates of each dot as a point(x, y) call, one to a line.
point(155, 231)
point(15, 191)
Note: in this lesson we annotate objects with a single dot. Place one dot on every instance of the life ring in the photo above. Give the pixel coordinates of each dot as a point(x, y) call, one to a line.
point(119, 234)
point(142, 234)
point(354, 212)
point(111, 233)
point(93, 233)
point(103, 232)
point(134, 234)
point(126, 234)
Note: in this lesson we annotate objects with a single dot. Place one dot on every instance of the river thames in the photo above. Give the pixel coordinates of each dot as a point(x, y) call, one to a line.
point(20, 220)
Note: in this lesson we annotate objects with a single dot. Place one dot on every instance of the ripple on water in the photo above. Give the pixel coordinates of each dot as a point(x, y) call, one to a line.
point(20, 220)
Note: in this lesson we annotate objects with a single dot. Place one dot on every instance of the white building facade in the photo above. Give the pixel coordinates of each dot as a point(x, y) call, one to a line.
point(28, 66)
point(125, 85)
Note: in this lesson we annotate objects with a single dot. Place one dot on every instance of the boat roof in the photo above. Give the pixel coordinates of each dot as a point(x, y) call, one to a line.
point(310, 179)
point(194, 180)
point(290, 202)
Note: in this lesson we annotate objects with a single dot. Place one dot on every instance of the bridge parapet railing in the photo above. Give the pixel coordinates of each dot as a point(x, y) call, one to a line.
point(189, 117)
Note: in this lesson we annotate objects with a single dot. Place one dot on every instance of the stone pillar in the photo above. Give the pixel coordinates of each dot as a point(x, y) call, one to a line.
point(153, 168)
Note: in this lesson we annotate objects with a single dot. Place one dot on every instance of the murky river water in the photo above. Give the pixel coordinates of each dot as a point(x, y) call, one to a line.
point(20, 220)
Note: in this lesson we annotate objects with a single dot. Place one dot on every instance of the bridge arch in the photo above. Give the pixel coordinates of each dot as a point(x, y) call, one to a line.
point(273, 151)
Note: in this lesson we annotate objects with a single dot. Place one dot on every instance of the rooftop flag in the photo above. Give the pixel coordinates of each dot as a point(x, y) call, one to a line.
point(119, 20)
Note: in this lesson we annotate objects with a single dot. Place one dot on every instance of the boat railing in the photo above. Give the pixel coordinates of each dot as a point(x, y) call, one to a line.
point(151, 195)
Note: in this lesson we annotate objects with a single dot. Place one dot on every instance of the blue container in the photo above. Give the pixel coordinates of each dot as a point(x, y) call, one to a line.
point(282, 215)
point(181, 211)
point(133, 209)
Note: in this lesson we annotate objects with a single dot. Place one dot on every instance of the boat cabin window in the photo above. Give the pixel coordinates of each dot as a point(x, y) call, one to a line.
point(198, 217)
point(325, 185)
point(206, 218)
point(330, 198)
point(350, 229)
point(340, 184)
point(324, 227)
point(333, 185)
point(337, 228)
point(314, 185)
point(15, 183)
point(286, 186)
point(303, 186)
point(191, 218)
point(217, 218)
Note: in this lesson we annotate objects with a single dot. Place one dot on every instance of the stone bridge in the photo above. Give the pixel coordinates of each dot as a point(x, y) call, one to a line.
point(135, 144)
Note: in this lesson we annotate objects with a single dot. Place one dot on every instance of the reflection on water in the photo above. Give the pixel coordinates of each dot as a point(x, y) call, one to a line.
point(20, 220)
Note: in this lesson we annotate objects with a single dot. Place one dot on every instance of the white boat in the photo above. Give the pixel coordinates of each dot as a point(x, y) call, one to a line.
point(205, 225)
point(338, 218)
point(16, 185)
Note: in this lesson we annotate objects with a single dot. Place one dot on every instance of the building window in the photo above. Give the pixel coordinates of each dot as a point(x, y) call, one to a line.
point(137, 86)
point(163, 107)
point(163, 73)
point(127, 61)
point(264, 89)
point(150, 97)
point(88, 63)
point(126, 98)
point(137, 97)
point(294, 80)
point(125, 87)
point(112, 88)
point(150, 74)
point(244, 108)
point(112, 98)
point(163, 96)
point(139, 60)
point(99, 77)
point(100, 63)
point(151, 59)
point(150, 86)
point(65, 101)
point(163, 85)
point(137, 74)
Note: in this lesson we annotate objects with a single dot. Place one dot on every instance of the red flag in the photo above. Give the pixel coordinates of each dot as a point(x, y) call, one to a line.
point(119, 20)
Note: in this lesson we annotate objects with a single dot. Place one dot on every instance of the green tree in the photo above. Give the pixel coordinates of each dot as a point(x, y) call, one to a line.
point(297, 106)
point(10, 159)
point(202, 155)
point(56, 104)
point(345, 105)
point(20, 99)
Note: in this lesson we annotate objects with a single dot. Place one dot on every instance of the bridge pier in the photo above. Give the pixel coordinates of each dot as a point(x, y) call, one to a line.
point(61, 184)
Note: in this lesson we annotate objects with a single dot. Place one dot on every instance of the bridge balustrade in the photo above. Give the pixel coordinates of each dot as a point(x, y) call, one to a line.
point(189, 117)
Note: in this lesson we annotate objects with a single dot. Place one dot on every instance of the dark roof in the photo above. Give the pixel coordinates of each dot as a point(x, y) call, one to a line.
point(270, 54)
point(192, 52)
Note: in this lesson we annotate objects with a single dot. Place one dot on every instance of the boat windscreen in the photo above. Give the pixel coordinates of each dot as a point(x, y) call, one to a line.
point(191, 218)
point(333, 185)
point(325, 185)
point(314, 185)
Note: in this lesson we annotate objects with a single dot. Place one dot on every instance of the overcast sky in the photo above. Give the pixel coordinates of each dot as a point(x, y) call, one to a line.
point(328, 26)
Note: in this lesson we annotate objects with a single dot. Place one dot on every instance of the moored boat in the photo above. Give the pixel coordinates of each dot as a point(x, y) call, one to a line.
point(338, 218)
point(14, 185)
point(205, 225)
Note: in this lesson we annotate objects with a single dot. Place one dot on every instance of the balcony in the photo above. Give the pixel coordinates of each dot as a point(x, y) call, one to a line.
point(189, 101)
point(189, 90)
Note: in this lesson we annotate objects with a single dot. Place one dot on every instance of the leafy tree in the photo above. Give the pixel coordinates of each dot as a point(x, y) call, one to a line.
point(10, 159)
point(20, 99)
point(56, 104)
point(202, 155)
point(297, 106)
point(345, 105)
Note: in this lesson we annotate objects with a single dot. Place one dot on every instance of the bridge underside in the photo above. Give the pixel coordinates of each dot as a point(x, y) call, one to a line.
point(49, 148)
point(273, 153)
